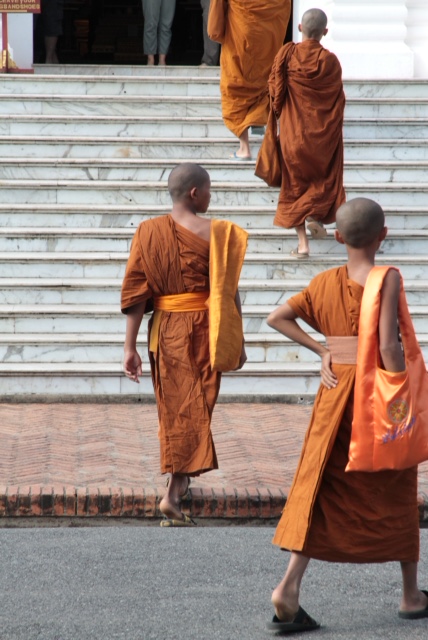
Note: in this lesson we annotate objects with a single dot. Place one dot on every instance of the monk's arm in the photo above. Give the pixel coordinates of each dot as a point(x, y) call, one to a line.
point(243, 358)
point(389, 346)
point(283, 319)
point(132, 360)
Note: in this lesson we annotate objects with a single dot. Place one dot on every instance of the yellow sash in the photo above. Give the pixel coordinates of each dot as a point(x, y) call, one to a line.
point(177, 303)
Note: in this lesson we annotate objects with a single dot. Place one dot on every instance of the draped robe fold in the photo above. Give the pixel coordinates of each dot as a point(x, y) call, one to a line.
point(332, 515)
point(307, 95)
point(254, 32)
point(168, 259)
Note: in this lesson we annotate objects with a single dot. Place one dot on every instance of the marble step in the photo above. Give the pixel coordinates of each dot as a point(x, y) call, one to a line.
point(137, 127)
point(90, 318)
point(298, 382)
point(150, 169)
point(188, 85)
point(273, 240)
point(184, 105)
point(130, 215)
point(79, 146)
point(263, 266)
point(75, 348)
point(87, 192)
point(125, 70)
point(99, 291)
point(361, 88)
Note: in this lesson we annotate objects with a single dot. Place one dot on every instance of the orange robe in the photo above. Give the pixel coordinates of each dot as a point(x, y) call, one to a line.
point(332, 515)
point(307, 94)
point(168, 259)
point(254, 32)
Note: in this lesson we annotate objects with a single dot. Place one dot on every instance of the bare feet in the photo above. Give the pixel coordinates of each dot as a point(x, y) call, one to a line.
point(162, 59)
point(416, 603)
point(150, 60)
point(176, 490)
point(285, 612)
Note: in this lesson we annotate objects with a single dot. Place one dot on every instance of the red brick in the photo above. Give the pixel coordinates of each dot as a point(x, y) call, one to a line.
point(24, 508)
point(231, 502)
point(81, 501)
point(70, 502)
point(128, 502)
point(210, 503)
point(196, 505)
point(139, 510)
point(220, 502)
point(253, 500)
point(116, 502)
point(36, 503)
point(58, 501)
point(277, 502)
point(12, 503)
point(47, 501)
point(151, 503)
point(3, 501)
point(265, 509)
point(242, 504)
point(93, 501)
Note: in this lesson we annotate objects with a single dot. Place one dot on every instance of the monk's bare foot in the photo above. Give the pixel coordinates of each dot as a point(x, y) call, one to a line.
point(285, 612)
point(170, 509)
point(150, 60)
point(417, 603)
point(162, 60)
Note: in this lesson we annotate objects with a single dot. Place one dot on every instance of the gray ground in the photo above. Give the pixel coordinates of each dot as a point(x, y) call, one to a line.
point(148, 583)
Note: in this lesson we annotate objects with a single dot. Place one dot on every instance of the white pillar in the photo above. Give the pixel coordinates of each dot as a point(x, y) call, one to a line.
point(20, 37)
point(417, 35)
point(368, 36)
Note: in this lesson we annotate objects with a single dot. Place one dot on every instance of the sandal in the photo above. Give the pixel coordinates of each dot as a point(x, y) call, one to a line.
point(173, 522)
point(316, 229)
point(301, 622)
point(300, 255)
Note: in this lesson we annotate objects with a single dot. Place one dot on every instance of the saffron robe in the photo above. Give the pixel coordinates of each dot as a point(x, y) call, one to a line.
point(254, 32)
point(332, 515)
point(168, 259)
point(307, 96)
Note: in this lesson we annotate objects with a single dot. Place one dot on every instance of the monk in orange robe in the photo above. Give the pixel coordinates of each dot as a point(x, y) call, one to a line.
point(332, 515)
point(169, 271)
point(251, 33)
point(308, 99)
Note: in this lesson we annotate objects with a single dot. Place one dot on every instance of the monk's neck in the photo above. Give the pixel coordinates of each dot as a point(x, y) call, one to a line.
point(360, 263)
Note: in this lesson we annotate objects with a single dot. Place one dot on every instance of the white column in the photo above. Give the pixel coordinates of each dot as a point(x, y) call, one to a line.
point(368, 36)
point(20, 37)
point(417, 35)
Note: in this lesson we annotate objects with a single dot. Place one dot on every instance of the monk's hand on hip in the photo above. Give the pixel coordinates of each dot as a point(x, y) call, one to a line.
point(132, 365)
point(328, 378)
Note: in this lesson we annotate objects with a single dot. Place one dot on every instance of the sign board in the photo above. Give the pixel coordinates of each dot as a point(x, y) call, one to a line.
point(20, 6)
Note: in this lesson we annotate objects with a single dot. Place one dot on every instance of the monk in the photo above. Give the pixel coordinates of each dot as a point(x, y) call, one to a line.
point(332, 515)
point(308, 99)
point(177, 262)
point(251, 33)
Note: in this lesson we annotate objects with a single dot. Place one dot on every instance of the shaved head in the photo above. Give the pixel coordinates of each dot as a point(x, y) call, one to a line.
point(360, 222)
point(184, 177)
point(314, 23)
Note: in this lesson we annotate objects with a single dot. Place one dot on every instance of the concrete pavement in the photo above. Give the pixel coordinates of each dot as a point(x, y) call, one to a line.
point(148, 583)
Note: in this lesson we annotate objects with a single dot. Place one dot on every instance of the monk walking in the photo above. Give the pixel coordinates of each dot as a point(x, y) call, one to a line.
point(307, 96)
point(251, 33)
point(331, 515)
point(178, 262)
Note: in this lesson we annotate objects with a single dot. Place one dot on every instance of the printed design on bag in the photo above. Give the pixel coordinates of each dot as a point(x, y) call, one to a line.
point(399, 431)
point(398, 410)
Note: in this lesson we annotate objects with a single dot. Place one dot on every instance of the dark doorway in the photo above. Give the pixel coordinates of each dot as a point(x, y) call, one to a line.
point(111, 32)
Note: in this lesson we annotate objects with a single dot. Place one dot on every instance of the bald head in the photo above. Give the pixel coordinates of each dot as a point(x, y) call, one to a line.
point(314, 23)
point(184, 177)
point(360, 222)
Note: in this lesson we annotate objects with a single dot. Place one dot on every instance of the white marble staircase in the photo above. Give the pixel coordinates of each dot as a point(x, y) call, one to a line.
point(84, 157)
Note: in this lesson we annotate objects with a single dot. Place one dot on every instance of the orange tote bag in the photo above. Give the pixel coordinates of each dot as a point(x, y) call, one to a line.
point(390, 423)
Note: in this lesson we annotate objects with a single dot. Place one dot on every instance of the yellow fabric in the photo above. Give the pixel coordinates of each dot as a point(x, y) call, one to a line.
point(228, 244)
point(177, 303)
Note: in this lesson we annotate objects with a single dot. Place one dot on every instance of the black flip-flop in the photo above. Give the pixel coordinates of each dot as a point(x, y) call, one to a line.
point(302, 621)
point(415, 615)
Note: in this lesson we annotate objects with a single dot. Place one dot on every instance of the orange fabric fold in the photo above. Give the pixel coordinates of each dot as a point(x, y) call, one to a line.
point(307, 95)
point(332, 514)
point(254, 32)
point(179, 303)
point(228, 244)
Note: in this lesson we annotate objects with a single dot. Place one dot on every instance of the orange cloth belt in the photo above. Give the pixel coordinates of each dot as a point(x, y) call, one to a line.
point(343, 349)
point(177, 303)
